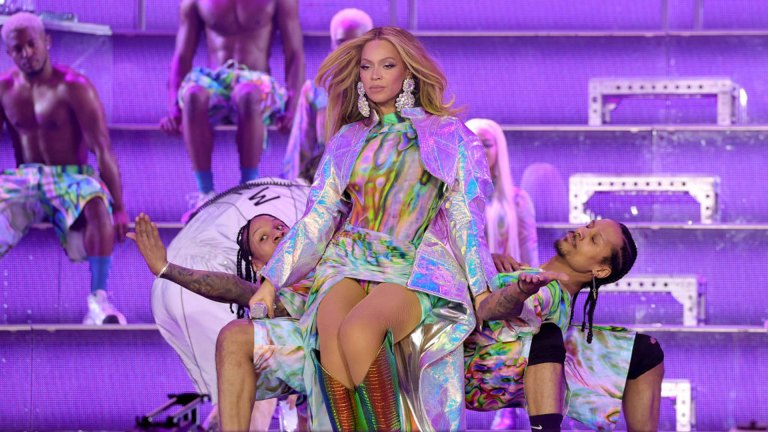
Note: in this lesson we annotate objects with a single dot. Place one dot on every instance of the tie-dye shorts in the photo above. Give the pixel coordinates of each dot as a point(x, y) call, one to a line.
point(33, 193)
point(220, 84)
point(595, 374)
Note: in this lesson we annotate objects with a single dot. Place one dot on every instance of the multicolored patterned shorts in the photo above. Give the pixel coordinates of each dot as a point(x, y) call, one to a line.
point(595, 373)
point(278, 358)
point(33, 193)
point(220, 84)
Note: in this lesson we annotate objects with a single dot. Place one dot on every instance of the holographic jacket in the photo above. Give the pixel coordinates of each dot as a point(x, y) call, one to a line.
point(452, 260)
point(452, 255)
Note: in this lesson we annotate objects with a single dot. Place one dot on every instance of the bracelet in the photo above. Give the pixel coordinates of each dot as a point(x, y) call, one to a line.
point(165, 267)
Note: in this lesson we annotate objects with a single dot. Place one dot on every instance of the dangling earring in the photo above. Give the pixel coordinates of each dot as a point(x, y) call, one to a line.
point(593, 290)
point(406, 99)
point(362, 102)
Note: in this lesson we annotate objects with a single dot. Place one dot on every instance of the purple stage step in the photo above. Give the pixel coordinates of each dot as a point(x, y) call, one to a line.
point(60, 378)
point(158, 175)
point(100, 379)
point(40, 285)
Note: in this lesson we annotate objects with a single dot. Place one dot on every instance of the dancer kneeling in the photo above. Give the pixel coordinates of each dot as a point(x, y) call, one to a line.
point(518, 356)
point(264, 359)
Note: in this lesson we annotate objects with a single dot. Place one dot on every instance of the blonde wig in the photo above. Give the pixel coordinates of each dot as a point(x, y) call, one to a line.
point(340, 72)
point(501, 205)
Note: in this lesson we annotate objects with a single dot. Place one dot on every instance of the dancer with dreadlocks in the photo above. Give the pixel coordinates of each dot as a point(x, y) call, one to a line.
point(615, 371)
point(215, 259)
point(615, 368)
point(522, 337)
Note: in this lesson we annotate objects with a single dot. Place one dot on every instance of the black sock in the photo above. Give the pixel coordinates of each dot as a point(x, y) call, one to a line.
point(546, 422)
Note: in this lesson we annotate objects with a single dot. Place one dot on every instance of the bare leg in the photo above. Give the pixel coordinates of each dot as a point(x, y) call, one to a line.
point(387, 307)
point(250, 126)
point(99, 232)
point(198, 133)
point(261, 414)
point(641, 400)
point(334, 307)
point(544, 379)
point(236, 375)
point(544, 388)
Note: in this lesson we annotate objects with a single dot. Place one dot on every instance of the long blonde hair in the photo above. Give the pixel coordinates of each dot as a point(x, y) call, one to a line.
point(340, 72)
point(501, 203)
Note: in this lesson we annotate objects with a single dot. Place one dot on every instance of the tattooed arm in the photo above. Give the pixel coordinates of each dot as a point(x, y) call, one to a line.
point(507, 303)
point(216, 286)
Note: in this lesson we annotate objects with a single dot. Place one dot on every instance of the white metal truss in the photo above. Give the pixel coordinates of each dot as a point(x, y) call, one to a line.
point(605, 94)
point(703, 188)
point(680, 391)
point(688, 290)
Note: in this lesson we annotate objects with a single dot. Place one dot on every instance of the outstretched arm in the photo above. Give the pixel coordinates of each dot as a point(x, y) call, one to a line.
point(507, 303)
point(92, 121)
point(216, 286)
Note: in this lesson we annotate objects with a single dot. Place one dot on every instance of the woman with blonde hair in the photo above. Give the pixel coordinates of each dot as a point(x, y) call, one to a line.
point(394, 232)
point(510, 218)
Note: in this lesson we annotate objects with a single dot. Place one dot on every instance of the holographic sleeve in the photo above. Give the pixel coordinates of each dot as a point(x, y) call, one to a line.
point(465, 208)
point(305, 243)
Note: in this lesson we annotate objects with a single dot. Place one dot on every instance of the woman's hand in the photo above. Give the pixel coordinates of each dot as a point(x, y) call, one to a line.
point(506, 264)
point(263, 298)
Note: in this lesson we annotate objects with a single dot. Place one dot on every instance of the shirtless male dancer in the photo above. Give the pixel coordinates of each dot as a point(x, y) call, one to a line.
point(54, 117)
point(236, 85)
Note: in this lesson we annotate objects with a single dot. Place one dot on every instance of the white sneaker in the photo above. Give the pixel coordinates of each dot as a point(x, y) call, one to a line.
point(101, 311)
point(196, 200)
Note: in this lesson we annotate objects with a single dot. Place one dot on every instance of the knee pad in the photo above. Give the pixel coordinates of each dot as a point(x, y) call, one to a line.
point(646, 355)
point(547, 346)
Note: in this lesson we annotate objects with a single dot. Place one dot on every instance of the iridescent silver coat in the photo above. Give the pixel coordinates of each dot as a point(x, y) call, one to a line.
point(452, 260)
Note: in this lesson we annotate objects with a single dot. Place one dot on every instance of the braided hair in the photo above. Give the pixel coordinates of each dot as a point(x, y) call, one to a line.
point(620, 262)
point(244, 256)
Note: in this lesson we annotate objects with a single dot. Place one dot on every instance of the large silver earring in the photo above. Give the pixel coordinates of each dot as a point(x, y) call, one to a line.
point(406, 99)
point(362, 102)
